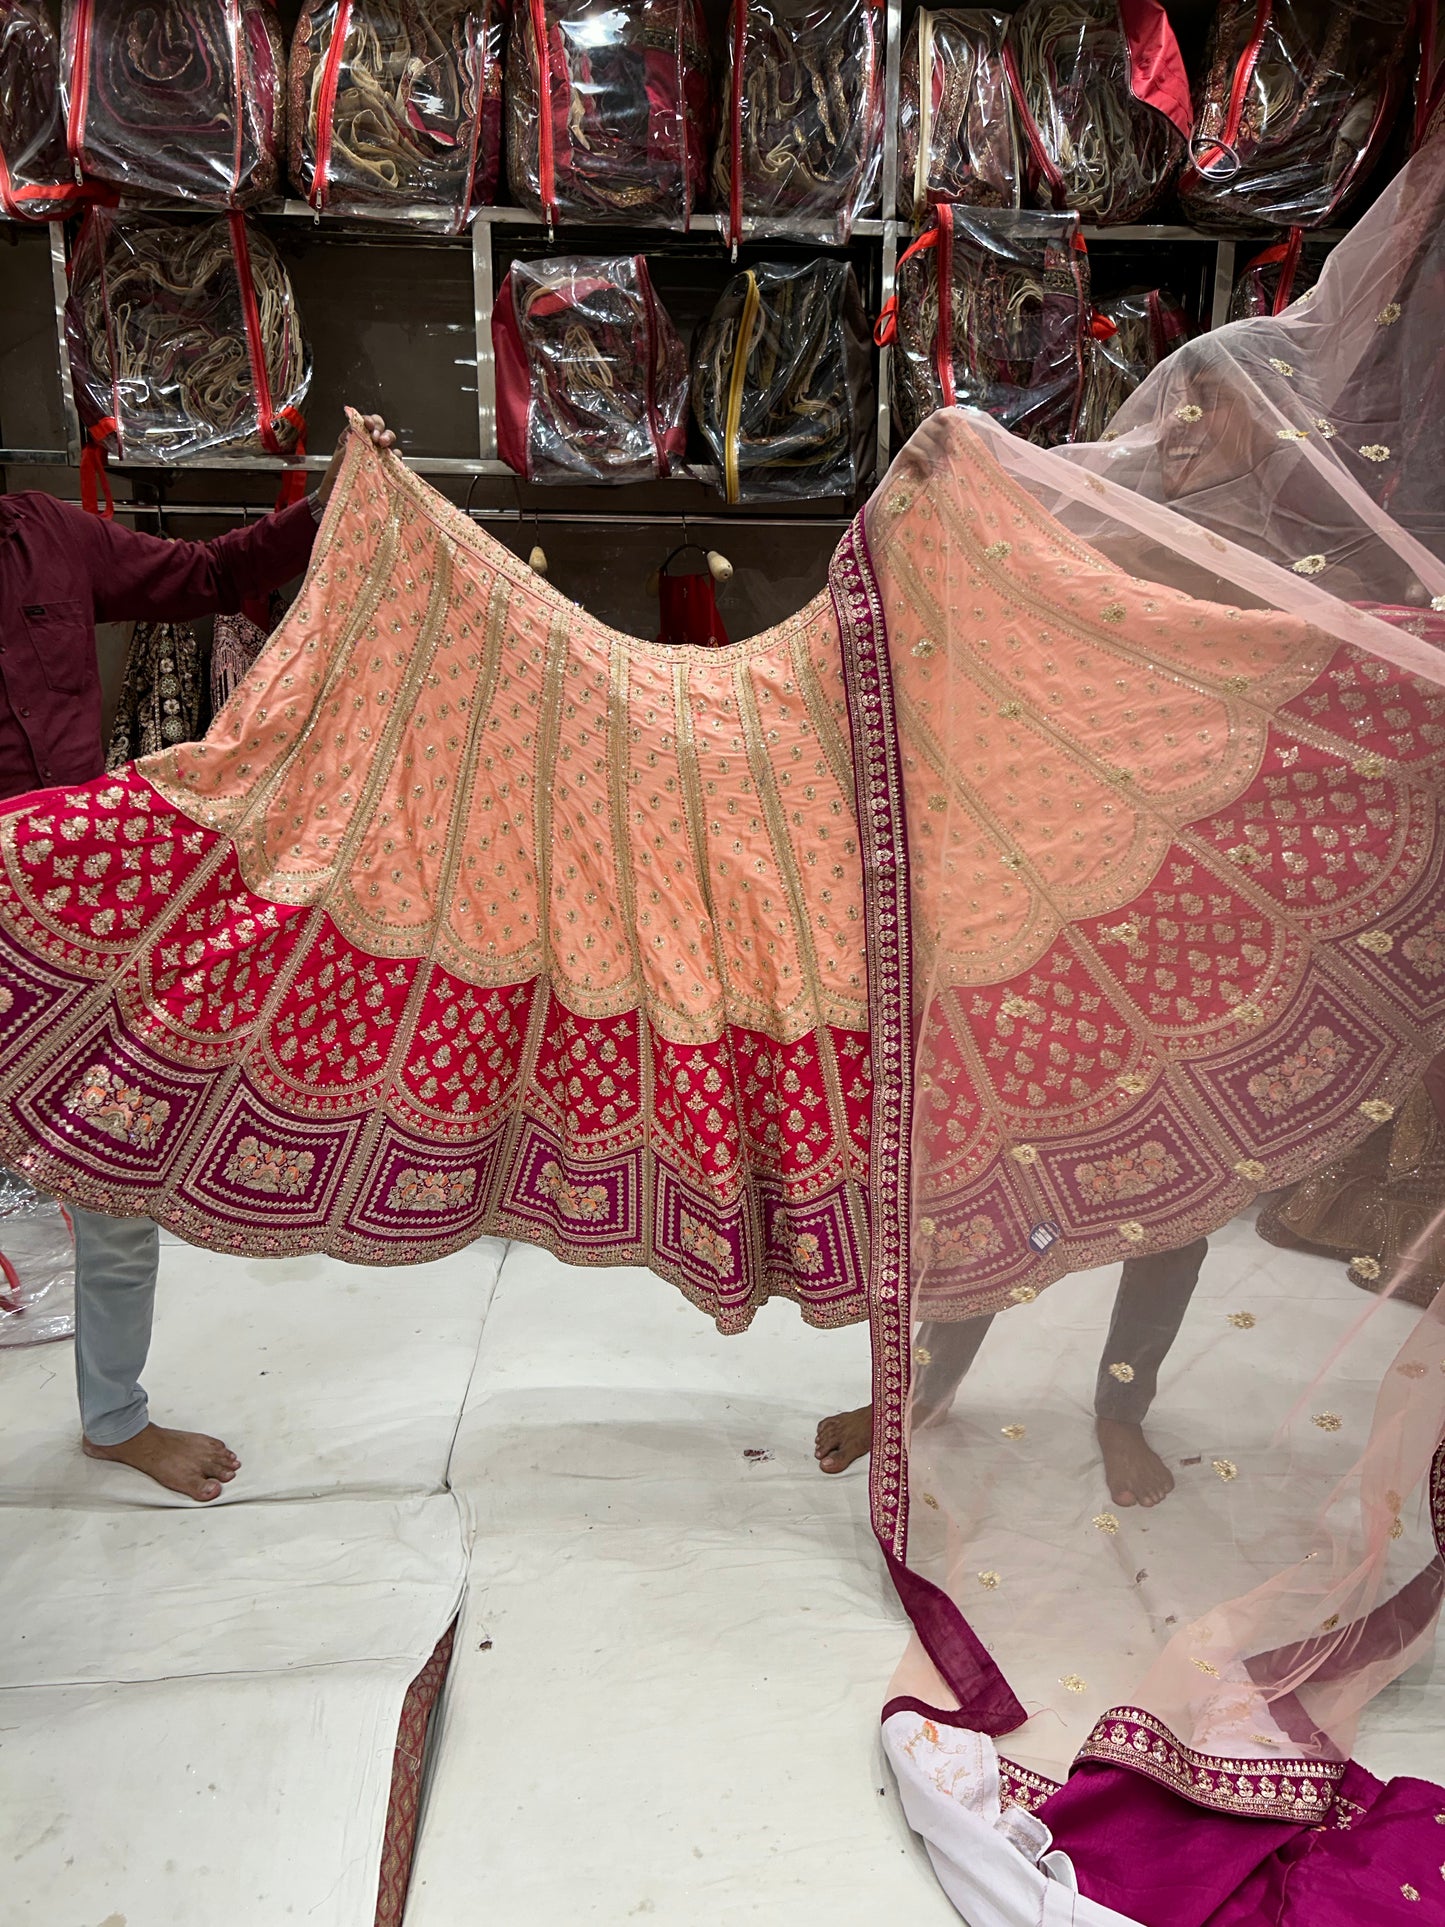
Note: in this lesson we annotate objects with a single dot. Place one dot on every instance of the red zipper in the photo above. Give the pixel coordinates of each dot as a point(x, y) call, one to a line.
point(237, 27)
point(326, 103)
point(1031, 132)
point(1243, 74)
point(79, 88)
point(735, 117)
point(1079, 246)
point(293, 482)
point(546, 150)
point(943, 340)
point(654, 427)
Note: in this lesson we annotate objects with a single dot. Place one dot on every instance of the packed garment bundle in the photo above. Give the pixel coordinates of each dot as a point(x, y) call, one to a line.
point(1298, 101)
point(184, 338)
point(801, 135)
point(591, 373)
point(957, 134)
point(1103, 104)
point(609, 112)
point(177, 99)
point(396, 105)
point(992, 312)
point(782, 384)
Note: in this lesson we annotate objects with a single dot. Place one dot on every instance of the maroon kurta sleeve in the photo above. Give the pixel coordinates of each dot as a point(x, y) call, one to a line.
point(148, 579)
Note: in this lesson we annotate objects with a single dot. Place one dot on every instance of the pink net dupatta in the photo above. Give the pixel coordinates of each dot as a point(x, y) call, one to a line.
point(1174, 847)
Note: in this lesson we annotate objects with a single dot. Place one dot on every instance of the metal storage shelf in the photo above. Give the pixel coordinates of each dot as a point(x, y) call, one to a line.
point(427, 228)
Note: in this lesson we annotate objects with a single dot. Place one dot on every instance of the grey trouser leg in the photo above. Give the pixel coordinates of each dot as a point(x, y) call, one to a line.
point(115, 1295)
point(1154, 1294)
point(1149, 1308)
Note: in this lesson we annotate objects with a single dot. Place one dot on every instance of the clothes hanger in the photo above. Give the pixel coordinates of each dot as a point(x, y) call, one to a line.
point(718, 566)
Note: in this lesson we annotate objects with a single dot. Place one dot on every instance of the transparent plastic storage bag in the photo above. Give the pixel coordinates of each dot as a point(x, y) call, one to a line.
point(991, 312)
point(1128, 337)
point(783, 384)
point(37, 1266)
point(1277, 275)
point(801, 140)
point(591, 373)
point(37, 181)
point(396, 105)
point(609, 109)
point(957, 135)
point(1297, 104)
point(1103, 103)
point(184, 338)
point(185, 102)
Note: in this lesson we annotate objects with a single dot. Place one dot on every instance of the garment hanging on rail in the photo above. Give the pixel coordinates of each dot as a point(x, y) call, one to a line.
point(160, 699)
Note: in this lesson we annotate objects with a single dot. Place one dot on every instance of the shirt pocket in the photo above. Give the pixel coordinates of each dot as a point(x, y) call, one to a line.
point(62, 634)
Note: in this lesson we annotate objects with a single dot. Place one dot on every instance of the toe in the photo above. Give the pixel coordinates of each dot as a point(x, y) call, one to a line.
point(207, 1490)
point(832, 1461)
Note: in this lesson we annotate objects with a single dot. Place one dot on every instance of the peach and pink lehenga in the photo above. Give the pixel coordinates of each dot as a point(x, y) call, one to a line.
point(1063, 877)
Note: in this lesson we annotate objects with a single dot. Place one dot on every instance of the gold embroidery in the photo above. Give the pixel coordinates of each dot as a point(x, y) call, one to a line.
point(1366, 1268)
point(1310, 564)
point(1226, 1468)
point(1375, 452)
point(1073, 1684)
point(1133, 1231)
point(1014, 1431)
point(989, 1581)
point(1378, 941)
point(1123, 1372)
point(1106, 1522)
point(1244, 1321)
point(1389, 314)
point(1328, 1421)
point(1251, 1169)
point(1190, 412)
point(1377, 1110)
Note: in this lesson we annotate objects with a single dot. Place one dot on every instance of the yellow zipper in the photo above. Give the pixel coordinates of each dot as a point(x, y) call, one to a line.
point(742, 348)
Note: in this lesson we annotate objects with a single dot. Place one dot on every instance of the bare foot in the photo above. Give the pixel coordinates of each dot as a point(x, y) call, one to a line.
point(843, 1438)
point(1135, 1472)
point(186, 1462)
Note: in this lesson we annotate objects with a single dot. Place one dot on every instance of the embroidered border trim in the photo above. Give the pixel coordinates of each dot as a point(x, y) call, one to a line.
point(1020, 1786)
point(1302, 1791)
point(882, 836)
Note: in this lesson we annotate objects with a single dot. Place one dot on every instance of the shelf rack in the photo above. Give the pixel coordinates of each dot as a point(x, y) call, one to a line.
point(884, 234)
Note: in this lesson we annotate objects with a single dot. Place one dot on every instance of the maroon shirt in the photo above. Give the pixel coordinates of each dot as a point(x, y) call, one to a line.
point(61, 572)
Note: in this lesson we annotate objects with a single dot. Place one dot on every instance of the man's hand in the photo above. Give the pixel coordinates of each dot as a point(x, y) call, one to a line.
point(381, 437)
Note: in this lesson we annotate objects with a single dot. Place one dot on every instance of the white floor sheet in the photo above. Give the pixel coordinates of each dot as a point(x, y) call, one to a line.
point(676, 1634)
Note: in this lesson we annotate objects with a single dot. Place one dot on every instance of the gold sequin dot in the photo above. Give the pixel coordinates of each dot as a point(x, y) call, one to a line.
point(1310, 564)
point(1328, 1421)
point(1132, 1231)
point(1366, 1268)
point(1243, 1321)
point(1071, 1683)
point(1236, 685)
point(1327, 429)
point(925, 646)
point(922, 1355)
point(1389, 314)
point(1227, 1469)
point(1205, 1667)
point(938, 802)
point(1375, 452)
point(1377, 1110)
point(1014, 1431)
point(1106, 1522)
point(996, 551)
point(1190, 412)
point(929, 1500)
point(927, 1226)
point(1292, 434)
point(1025, 1154)
point(1408, 1891)
point(1437, 603)
point(1280, 367)
point(1113, 612)
point(1379, 942)
point(1329, 1625)
point(1369, 766)
point(1011, 712)
point(1397, 1528)
point(1133, 1083)
point(1123, 1371)
point(989, 1581)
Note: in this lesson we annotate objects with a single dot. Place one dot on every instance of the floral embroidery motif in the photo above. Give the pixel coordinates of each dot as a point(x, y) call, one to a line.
point(1123, 1371)
point(1427, 951)
point(269, 1168)
point(1380, 942)
point(1243, 1321)
point(968, 1242)
point(1375, 452)
point(1025, 1154)
point(989, 1581)
point(1284, 1789)
point(1205, 1667)
point(1377, 1110)
point(1133, 1231)
point(431, 1190)
point(1251, 1169)
point(1310, 564)
point(1106, 1522)
point(1327, 429)
point(703, 1242)
point(1437, 603)
point(1292, 434)
point(1073, 1684)
point(925, 646)
point(1128, 1174)
point(1328, 1421)
point(1013, 1431)
point(1226, 1468)
point(1112, 612)
point(1281, 367)
point(808, 1253)
point(123, 1111)
point(1389, 314)
point(996, 551)
point(1301, 1075)
point(1365, 1268)
point(1023, 1294)
point(1190, 412)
